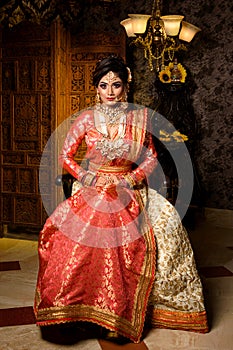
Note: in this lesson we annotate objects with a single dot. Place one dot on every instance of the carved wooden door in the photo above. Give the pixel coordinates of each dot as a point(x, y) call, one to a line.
point(28, 116)
point(44, 80)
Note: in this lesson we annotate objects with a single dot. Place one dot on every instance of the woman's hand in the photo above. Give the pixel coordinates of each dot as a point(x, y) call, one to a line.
point(101, 182)
point(106, 181)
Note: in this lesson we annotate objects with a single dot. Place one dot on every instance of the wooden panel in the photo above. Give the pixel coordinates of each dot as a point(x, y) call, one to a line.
point(26, 122)
point(45, 79)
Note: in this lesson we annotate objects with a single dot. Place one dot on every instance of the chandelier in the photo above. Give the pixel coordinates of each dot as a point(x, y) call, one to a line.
point(159, 36)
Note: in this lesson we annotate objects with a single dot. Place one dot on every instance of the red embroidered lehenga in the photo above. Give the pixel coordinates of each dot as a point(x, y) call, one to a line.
point(119, 256)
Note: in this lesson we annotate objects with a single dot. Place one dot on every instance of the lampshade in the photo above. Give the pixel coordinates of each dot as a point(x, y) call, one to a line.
point(128, 25)
point(139, 22)
point(172, 24)
point(158, 35)
point(188, 31)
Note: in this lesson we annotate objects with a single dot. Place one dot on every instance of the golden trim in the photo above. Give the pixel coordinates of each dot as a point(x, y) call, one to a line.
point(131, 329)
point(109, 169)
point(190, 321)
point(138, 123)
point(104, 318)
point(130, 180)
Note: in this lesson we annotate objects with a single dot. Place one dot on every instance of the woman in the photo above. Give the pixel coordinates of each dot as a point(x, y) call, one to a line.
point(115, 253)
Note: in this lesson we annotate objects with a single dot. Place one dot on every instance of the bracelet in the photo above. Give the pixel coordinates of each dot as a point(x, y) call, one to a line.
point(130, 180)
point(88, 179)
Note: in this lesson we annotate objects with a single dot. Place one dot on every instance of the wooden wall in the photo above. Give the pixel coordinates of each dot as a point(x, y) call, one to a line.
point(46, 77)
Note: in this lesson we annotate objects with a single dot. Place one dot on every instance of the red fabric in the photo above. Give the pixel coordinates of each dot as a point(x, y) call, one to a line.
point(97, 250)
point(106, 278)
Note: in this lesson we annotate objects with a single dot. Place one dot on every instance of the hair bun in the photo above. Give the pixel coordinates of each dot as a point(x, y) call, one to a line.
point(114, 63)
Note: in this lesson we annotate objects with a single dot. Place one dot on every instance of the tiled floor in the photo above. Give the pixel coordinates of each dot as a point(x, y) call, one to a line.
point(213, 248)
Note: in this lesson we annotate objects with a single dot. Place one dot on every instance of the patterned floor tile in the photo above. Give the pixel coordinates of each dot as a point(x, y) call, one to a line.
point(107, 345)
point(9, 265)
point(215, 271)
point(17, 316)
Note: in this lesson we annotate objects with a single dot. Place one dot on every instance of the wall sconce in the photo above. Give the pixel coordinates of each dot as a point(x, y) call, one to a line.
point(159, 35)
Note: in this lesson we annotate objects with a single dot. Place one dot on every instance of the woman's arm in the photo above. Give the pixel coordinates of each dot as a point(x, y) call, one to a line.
point(148, 163)
point(72, 142)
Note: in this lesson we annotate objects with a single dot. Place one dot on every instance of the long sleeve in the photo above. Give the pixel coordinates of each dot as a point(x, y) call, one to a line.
point(72, 142)
point(148, 161)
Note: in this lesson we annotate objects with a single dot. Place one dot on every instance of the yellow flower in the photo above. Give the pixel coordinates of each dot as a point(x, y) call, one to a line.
point(165, 75)
point(179, 137)
point(176, 135)
point(171, 65)
point(165, 139)
point(163, 132)
point(183, 72)
point(164, 136)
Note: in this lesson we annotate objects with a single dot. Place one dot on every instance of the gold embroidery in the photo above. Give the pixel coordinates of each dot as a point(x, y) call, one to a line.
point(109, 169)
point(192, 321)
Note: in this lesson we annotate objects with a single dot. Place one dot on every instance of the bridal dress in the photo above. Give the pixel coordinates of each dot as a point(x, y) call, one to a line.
point(119, 256)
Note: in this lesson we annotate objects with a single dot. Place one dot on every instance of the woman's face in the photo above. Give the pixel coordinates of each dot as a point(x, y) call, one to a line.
point(110, 88)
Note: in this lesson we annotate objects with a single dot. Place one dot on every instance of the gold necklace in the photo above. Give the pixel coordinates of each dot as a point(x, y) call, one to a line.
point(111, 114)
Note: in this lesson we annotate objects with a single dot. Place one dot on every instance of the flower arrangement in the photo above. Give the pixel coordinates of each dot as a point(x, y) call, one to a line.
point(174, 72)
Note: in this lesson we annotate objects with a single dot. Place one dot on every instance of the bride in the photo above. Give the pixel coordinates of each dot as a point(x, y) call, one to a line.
point(115, 253)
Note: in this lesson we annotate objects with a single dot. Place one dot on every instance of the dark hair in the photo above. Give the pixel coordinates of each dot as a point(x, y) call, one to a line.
point(112, 63)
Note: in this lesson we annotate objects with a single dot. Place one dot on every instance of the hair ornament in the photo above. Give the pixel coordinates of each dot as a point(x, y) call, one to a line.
point(129, 75)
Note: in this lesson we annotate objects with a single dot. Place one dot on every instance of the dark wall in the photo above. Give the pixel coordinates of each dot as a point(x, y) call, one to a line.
point(209, 61)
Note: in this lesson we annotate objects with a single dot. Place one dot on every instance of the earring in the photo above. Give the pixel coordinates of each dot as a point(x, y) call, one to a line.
point(124, 96)
point(97, 98)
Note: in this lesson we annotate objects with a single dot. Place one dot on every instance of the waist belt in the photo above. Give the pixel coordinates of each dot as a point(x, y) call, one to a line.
point(109, 168)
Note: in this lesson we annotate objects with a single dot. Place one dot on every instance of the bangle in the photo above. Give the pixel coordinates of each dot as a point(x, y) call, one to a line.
point(88, 179)
point(130, 180)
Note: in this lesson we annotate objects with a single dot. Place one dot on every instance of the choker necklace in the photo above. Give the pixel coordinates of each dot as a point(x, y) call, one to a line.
point(112, 114)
